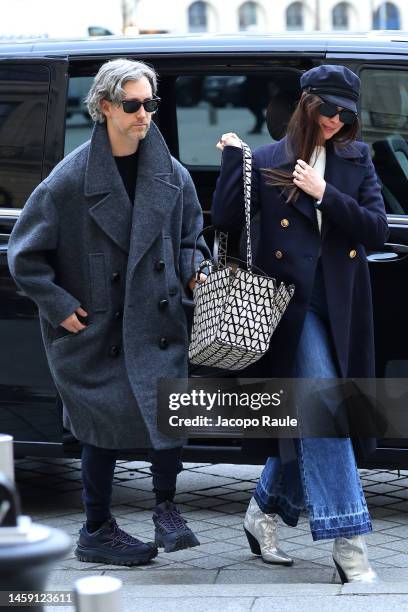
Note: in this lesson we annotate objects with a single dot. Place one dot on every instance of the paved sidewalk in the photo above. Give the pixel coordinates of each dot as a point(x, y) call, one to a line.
point(214, 499)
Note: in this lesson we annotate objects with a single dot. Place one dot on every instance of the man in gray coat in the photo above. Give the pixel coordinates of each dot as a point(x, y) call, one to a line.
point(104, 247)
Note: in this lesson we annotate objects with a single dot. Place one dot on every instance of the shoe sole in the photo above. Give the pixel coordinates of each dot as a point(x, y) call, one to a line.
point(256, 550)
point(88, 555)
point(340, 570)
point(181, 542)
point(285, 563)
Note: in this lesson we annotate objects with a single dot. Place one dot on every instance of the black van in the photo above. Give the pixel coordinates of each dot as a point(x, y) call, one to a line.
point(208, 85)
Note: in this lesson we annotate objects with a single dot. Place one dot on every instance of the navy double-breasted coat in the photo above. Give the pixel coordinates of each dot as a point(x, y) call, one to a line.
point(79, 241)
point(353, 221)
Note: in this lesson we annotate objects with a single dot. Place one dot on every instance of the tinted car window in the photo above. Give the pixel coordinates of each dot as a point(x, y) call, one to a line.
point(256, 107)
point(385, 127)
point(23, 108)
point(78, 122)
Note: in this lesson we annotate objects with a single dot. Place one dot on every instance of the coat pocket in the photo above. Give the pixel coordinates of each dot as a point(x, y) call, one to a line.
point(171, 275)
point(99, 290)
point(62, 337)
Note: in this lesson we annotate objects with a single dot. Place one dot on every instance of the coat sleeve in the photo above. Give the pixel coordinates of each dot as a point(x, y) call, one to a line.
point(34, 237)
point(364, 220)
point(228, 201)
point(192, 225)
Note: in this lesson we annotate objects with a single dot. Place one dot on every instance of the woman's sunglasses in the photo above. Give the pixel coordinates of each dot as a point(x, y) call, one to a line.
point(330, 110)
point(132, 106)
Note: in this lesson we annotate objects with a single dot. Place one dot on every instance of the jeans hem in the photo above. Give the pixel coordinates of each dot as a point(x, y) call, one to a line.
point(278, 506)
point(341, 532)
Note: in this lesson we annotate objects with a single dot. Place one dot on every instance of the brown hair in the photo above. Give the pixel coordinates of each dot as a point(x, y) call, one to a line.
point(303, 135)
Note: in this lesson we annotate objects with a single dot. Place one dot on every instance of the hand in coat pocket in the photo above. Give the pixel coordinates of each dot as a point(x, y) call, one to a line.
point(72, 323)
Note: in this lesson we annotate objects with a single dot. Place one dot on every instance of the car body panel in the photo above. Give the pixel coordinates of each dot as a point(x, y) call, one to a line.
point(29, 406)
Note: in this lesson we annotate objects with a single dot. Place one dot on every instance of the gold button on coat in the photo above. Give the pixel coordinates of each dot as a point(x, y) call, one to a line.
point(285, 223)
point(278, 254)
point(353, 253)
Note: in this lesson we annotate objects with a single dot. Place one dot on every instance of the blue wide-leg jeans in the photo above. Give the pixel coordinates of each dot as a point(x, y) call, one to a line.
point(323, 478)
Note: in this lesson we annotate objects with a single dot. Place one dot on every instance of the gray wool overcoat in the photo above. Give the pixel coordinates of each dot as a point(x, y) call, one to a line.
point(80, 242)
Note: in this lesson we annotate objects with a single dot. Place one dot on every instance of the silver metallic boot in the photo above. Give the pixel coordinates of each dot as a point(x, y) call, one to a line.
point(262, 532)
point(351, 560)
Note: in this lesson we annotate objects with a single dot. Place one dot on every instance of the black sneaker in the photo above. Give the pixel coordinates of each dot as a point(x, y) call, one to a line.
point(112, 545)
point(171, 532)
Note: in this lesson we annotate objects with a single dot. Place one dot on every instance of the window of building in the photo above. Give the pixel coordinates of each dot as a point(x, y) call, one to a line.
point(340, 16)
point(294, 16)
point(98, 31)
point(198, 17)
point(387, 17)
point(384, 115)
point(248, 15)
point(23, 109)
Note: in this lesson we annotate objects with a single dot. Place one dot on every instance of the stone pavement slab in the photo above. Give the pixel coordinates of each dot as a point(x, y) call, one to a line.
point(213, 498)
point(261, 597)
point(384, 603)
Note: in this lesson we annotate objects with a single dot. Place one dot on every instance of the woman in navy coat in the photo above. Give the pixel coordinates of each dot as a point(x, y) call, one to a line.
point(320, 209)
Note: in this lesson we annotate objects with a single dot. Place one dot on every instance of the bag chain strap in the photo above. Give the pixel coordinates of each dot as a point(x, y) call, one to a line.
point(221, 238)
point(220, 250)
point(247, 171)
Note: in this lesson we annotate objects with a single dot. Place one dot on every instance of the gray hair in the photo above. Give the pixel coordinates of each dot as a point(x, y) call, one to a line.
point(109, 81)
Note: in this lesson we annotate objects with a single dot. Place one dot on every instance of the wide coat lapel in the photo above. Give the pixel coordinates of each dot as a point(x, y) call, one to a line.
point(342, 166)
point(155, 194)
point(341, 162)
point(112, 210)
point(281, 161)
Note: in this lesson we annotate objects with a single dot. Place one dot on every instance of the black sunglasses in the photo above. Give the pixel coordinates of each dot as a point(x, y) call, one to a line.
point(132, 106)
point(330, 110)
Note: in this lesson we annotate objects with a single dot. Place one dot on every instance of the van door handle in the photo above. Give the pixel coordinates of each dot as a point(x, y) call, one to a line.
point(390, 252)
point(4, 239)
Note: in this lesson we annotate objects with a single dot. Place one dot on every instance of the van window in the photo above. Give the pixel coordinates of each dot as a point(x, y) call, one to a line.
point(23, 107)
point(384, 114)
point(256, 107)
point(79, 124)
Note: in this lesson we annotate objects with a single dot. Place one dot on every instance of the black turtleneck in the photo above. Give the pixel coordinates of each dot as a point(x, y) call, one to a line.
point(127, 167)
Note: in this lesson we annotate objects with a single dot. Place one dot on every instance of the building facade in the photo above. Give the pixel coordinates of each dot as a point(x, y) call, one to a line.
point(271, 15)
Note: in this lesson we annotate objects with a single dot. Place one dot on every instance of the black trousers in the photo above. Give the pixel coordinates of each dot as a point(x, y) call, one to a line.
point(98, 466)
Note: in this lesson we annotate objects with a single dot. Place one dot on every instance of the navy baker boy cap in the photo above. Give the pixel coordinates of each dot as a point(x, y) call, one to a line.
point(335, 84)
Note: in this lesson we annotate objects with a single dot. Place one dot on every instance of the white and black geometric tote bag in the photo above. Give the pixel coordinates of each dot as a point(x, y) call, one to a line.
point(235, 310)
